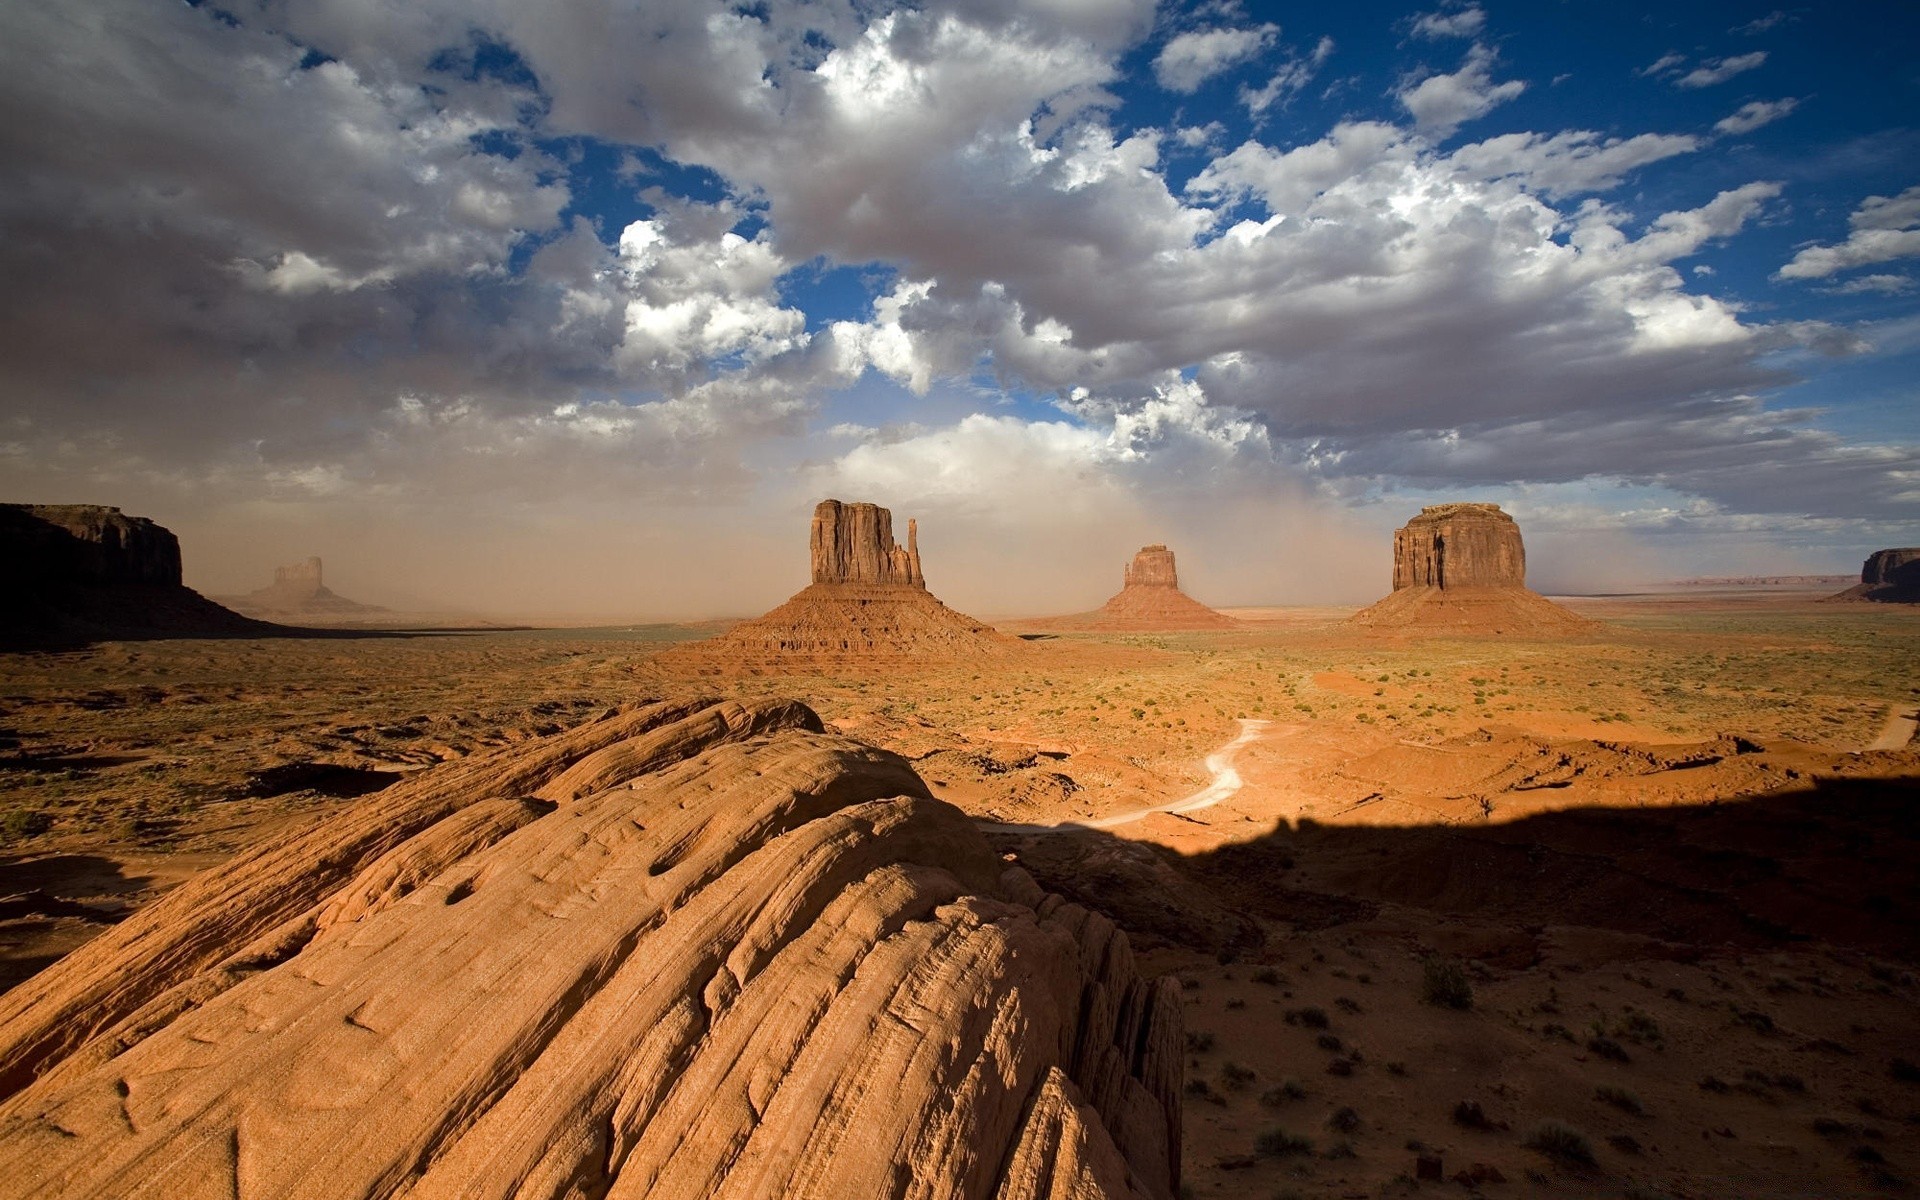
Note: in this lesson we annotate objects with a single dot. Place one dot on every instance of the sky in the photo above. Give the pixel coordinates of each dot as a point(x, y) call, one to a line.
point(578, 310)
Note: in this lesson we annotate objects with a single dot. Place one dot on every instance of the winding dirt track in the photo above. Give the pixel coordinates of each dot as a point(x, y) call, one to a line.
point(1225, 782)
point(1898, 730)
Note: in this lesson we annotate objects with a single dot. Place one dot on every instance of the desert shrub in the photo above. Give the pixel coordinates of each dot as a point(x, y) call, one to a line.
point(1236, 1076)
point(1198, 1042)
point(23, 823)
point(1266, 975)
point(1280, 1093)
point(1713, 1083)
point(1606, 1047)
point(1444, 982)
point(1328, 1041)
point(1396, 1068)
point(1236, 1002)
point(1344, 1120)
point(1346, 1005)
point(1557, 1139)
point(1279, 1143)
point(1341, 1149)
point(1312, 1018)
point(1469, 1114)
point(1620, 1098)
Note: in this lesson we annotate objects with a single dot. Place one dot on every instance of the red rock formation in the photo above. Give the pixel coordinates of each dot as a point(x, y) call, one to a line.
point(1888, 577)
point(1150, 599)
point(688, 949)
point(77, 572)
point(1461, 569)
point(1459, 545)
point(868, 605)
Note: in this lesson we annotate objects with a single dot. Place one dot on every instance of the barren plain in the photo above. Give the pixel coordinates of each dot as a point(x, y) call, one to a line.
point(1627, 914)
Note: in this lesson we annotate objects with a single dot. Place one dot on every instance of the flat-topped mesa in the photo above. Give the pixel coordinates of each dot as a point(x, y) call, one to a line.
point(1889, 576)
point(1461, 570)
point(88, 544)
point(303, 575)
point(1459, 545)
point(853, 543)
point(1152, 567)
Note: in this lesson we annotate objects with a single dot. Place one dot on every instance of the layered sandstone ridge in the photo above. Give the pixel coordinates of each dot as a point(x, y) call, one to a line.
point(1461, 569)
point(1150, 599)
point(1889, 577)
point(89, 570)
point(692, 948)
point(868, 606)
point(300, 590)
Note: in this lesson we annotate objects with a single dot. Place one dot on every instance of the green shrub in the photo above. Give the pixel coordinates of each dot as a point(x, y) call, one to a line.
point(1620, 1098)
point(1557, 1139)
point(1444, 982)
point(1278, 1143)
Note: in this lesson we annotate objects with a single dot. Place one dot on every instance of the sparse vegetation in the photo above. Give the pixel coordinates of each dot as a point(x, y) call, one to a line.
point(1620, 1098)
point(1444, 982)
point(1279, 1143)
point(1561, 1141)
point(1287, 1090)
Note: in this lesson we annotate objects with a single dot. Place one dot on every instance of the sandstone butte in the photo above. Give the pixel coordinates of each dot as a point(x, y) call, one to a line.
point(1150, 599)
point(88, 570)
point(1462, 569)
point(868, 604)
point(299, 590)
point(694, 948)
point(1889, 577)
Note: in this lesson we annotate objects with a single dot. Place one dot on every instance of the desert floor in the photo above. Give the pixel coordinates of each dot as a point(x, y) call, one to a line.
point(1660, 881)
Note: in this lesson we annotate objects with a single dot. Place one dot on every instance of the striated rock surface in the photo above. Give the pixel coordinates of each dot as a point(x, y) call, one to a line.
point(299, 590)
point(78, 571)
point(1459, 545)
point(1889, 577)
point(1461, 569)
point(1150, 599)
point(868, 606)
point(689, 949)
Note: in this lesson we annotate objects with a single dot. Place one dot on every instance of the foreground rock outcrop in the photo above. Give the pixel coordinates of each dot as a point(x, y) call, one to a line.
point(78, 571)
point(868, 605)
point(300, 591)
point(1888, 577)
point(1150, 599)
point(689, 949)
point(1462, 569)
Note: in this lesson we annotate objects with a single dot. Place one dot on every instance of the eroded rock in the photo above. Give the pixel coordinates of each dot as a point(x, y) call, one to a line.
point(1151, 599)
point(1889, 577)
point(697, 948)
point(1462, 569)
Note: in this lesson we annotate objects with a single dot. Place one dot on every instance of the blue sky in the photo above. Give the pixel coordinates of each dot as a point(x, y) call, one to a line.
point(554, 311)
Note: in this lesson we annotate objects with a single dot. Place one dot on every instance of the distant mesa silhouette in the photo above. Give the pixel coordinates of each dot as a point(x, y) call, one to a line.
point(1462, 569)
point(1888, 577)
point(299, 591)
point(868, 604)
point(88, 571)
point(1150, 599)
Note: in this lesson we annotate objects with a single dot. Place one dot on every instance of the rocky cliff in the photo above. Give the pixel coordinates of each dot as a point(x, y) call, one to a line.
point(1459, 545)
point(81, 571)
point(693, 948)
point(1461, 569)
point(1889, 577)
point(868, 606)
point(1152, 566)
point(853, 543)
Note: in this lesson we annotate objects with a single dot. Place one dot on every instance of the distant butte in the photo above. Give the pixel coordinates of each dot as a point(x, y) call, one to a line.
point(1150, 599)
point(299, 591)
point(1888, 577)
point(868, 604)
point(1462, 569)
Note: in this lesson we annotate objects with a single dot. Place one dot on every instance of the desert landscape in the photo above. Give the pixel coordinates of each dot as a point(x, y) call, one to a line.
point(1609, 897)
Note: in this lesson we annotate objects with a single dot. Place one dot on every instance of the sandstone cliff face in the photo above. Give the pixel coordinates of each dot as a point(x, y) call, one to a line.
point(88, 544)
point(689, 949)
point(1888, 576)
point(86, 571)
point(868, 607)
point(1459, 545)
point(853, 543)
point(1152, 566)
point(303, 575)
point(1150, 599)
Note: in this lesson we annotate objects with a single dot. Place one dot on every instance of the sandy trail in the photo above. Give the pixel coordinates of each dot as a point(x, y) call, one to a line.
point(1225, 782)
point(1898, 730)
